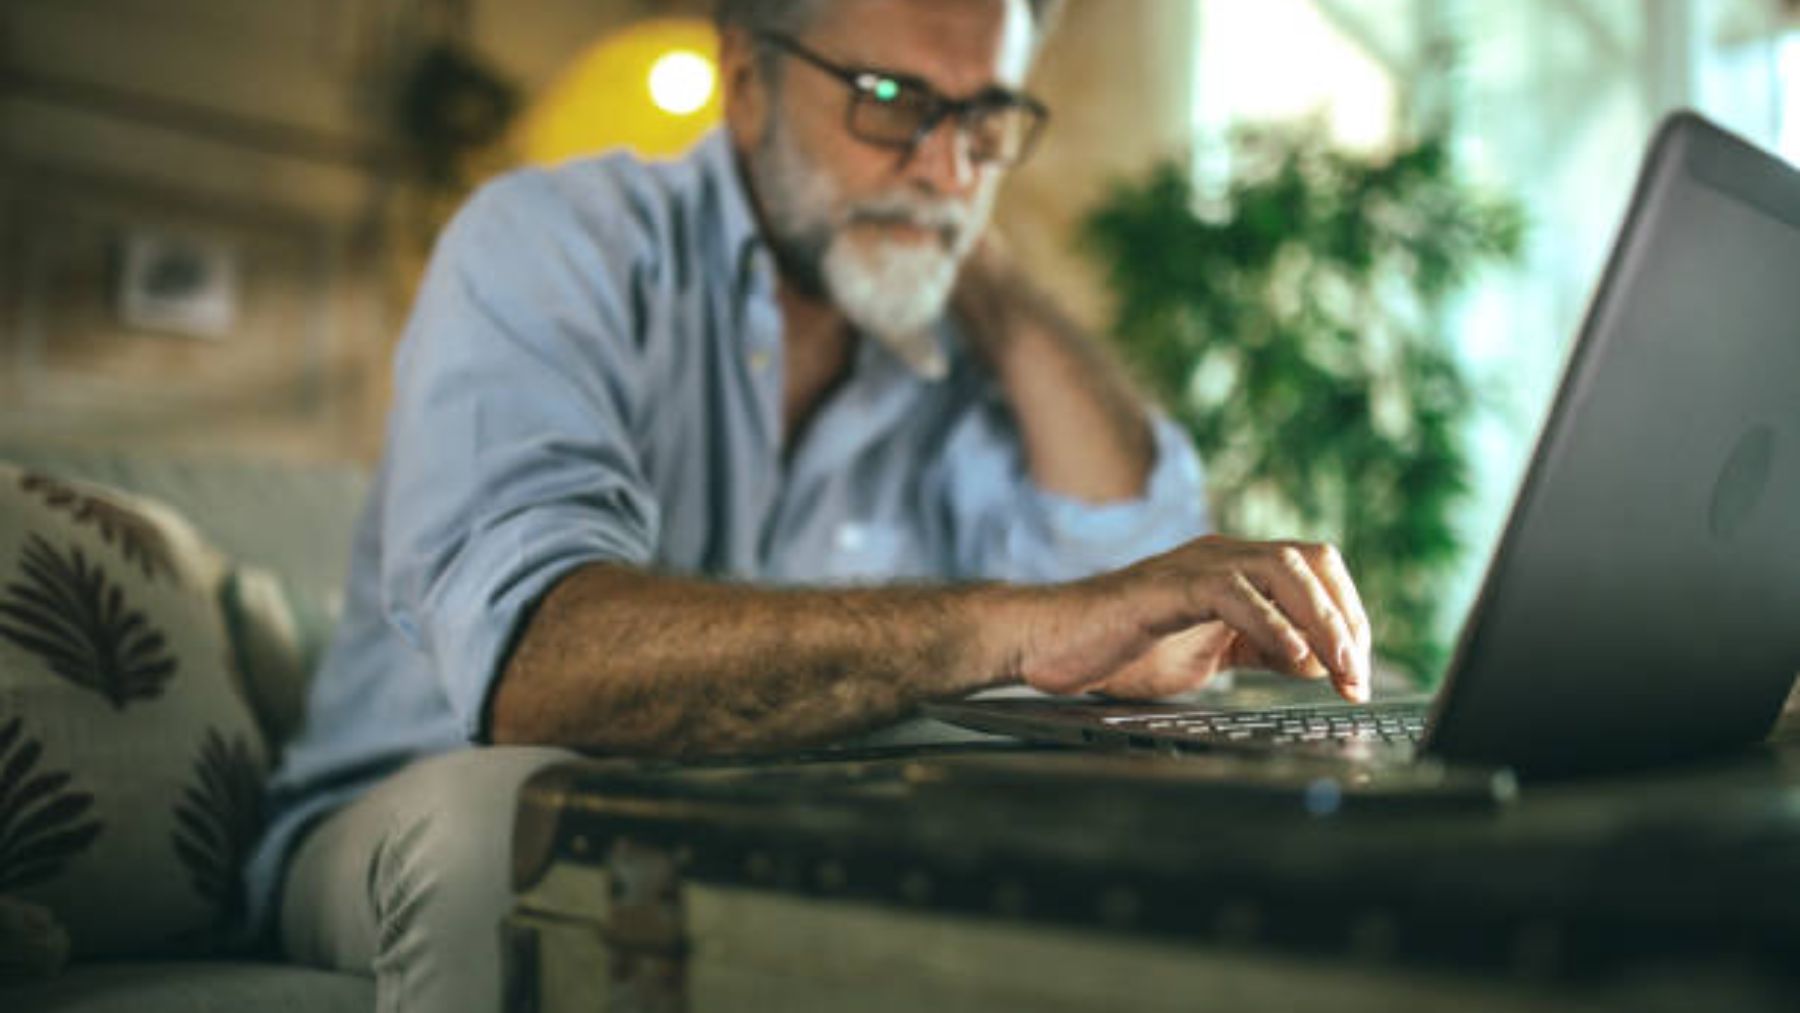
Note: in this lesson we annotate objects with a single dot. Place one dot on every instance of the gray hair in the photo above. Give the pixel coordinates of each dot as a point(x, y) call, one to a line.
point(792, 17)
point(782, 17)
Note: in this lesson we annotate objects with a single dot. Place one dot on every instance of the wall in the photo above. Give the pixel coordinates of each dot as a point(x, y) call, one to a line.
point(1118, 77)
point(259, 130)
point(229, 124)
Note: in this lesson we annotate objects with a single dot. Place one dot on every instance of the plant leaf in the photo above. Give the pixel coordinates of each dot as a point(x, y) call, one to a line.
point(1316, 288)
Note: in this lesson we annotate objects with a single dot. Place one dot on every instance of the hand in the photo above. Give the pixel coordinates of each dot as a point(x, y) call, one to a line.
point(989, 294)
point(1181, 662)
point(1085, 429)
point(1169, 623)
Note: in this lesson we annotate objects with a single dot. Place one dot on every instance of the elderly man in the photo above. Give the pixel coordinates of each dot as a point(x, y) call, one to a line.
point(660, 431)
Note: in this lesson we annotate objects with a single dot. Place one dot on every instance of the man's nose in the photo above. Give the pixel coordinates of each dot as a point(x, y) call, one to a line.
point(941, 159)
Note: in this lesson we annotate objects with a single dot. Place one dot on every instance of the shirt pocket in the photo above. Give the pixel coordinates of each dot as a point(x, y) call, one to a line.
point(867, 551)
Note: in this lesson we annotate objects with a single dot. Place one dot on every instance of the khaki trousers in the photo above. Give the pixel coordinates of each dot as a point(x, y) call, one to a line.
point(410, 882)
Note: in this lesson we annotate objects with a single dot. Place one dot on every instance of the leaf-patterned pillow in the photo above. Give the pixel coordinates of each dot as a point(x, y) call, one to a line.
point(131, 769)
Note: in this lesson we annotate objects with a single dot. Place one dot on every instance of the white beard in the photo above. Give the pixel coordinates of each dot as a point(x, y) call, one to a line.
point(892, 291)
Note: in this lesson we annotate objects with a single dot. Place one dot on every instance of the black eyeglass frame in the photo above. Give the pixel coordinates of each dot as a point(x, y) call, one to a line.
point(862, 81)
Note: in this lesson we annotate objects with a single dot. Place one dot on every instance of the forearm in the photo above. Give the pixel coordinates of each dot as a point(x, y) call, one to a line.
point(625, 661)
point(1085, 430)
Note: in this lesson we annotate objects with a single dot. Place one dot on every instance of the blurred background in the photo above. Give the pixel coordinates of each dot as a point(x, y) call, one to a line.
point(213, 214)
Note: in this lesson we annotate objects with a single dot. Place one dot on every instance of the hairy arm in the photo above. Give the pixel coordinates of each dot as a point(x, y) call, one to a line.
point(1085, 430)
point(620, 660)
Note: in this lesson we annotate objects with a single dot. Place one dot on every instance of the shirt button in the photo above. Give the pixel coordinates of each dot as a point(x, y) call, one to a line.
point(759, 360)
point(851, 537)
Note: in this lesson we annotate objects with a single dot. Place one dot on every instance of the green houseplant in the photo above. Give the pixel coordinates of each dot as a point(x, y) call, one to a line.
point(1297, 326)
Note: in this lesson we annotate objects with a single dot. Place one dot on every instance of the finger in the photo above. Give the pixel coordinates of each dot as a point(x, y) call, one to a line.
point(1146, 681)
point(1255, 618)
point(1179, 663)
point(1136, 681)
point(1193, 656)
point(1249, 656)
point(1245, 654)
point(1329, 564)
point(1297, 590)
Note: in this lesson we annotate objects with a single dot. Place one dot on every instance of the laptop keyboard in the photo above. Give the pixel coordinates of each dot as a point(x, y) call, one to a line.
point(1393, 724)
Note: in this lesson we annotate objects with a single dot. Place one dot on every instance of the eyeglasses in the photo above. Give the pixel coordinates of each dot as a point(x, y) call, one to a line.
point(898, 110)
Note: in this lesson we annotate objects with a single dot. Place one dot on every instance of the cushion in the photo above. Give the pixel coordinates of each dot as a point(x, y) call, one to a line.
point(194, 987)
point(131, 767)
point(286, 526)
point(293, 518)
point(33, 944)
point(277, 648)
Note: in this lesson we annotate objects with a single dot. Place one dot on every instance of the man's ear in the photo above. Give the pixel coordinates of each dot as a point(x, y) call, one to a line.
point(747, 93)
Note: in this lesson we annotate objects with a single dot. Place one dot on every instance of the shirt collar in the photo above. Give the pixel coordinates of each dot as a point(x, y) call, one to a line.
point(739, 236)
point(751, 263)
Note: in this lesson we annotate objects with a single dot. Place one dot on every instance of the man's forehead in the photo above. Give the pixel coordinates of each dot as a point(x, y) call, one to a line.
point(960, 46)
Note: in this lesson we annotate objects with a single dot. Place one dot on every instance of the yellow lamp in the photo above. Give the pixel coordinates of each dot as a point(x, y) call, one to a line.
point(652, 87)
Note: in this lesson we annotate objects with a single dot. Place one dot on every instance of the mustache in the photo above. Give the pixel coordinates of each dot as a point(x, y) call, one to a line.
point(951, 220)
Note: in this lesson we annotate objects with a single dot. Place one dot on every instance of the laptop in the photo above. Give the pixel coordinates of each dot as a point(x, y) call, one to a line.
point(1642, 605)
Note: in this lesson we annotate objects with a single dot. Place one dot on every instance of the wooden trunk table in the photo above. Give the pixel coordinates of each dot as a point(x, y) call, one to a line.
point(997, 877)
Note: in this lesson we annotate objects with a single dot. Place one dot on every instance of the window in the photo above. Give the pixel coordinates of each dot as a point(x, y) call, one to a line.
point(1789, 74)
point(1552, 103)
point(1291, 59)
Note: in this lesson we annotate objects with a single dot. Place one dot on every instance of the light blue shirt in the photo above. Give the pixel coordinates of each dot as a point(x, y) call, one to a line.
point(593, 372)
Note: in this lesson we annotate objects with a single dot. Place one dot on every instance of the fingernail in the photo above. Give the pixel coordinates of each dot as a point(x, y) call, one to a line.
point(1350, 684)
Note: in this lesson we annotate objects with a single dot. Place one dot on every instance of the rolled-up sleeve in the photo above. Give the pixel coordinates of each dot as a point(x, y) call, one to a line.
point(509, 450)
point(1006, 527)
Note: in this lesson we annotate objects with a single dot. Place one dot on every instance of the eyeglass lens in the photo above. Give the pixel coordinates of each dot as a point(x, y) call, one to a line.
point(896, 116)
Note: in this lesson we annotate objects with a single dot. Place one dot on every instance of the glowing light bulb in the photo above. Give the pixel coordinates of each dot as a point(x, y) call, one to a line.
point(681, 82)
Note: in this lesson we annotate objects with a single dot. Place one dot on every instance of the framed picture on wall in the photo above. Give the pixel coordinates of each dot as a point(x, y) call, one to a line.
point(176, 283)
point(139, 316)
